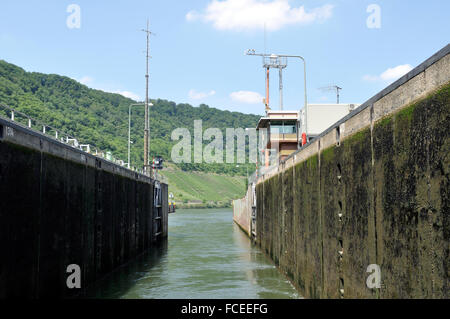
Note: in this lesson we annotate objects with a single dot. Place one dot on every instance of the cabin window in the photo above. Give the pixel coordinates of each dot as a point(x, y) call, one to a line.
point(283, 127)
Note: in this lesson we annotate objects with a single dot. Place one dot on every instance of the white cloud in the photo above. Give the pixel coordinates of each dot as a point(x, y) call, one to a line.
point(89, 81)
point(395, 73)
point(390, 74)
point(371, 78)
point(129, 95)
point(86, 80)
point(247, 97)
point(194, 95)
point(239, 15)
point(192, 16)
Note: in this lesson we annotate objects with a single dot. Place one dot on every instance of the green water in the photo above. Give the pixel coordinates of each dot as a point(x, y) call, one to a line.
point(207, 256)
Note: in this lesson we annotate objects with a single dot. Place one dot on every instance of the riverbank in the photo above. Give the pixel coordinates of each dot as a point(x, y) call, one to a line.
point(203, 190)
point(206, 205)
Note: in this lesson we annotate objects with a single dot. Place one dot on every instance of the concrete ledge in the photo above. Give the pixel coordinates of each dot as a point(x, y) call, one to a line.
point(61, 206)
point(15, 133)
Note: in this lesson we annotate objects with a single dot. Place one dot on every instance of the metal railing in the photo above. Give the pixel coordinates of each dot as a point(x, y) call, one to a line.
point(261, 172)
point(252, 178)
point(283, 137)
point(28, 122)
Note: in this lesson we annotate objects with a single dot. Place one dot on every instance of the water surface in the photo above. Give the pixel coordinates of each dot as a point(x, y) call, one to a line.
point(207, 256)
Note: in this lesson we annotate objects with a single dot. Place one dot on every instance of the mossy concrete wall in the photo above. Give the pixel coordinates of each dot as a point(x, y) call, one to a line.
point(60, 206)
point(373, 189)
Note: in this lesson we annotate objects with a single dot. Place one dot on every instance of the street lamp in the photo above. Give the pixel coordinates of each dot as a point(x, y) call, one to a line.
point(252, 52)
point(306, 98)
point(129, 129)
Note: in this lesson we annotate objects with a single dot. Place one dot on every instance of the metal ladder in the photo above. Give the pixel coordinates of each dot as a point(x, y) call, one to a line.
point(253, 220)
point(157, 209)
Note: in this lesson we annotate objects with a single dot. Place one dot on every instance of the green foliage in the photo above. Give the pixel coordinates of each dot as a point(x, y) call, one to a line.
point(101, 118)
point(204, 187)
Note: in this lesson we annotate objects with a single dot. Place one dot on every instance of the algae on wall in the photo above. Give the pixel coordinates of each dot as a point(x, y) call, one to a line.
point(55, 212)
point(380, 197)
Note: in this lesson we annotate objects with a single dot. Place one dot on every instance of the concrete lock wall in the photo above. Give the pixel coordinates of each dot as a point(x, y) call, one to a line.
point(242, 209)
point(372, 189)
point(60, 206)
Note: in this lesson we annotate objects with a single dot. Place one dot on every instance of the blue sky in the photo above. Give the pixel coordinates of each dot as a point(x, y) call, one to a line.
point(198, 51)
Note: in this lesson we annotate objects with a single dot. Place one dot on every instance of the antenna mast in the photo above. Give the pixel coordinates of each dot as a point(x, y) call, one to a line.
point(275, 62)
point(147, 126)
point(333, 88)
point(337, 93)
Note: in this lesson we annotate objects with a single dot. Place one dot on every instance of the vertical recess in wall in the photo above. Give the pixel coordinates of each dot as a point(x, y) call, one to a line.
point(339, 226)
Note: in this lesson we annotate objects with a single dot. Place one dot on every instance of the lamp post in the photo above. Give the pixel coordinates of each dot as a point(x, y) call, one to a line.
point(306, 96)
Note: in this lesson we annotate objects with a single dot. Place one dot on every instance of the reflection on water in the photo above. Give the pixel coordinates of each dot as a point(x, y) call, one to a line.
point(207, 256)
